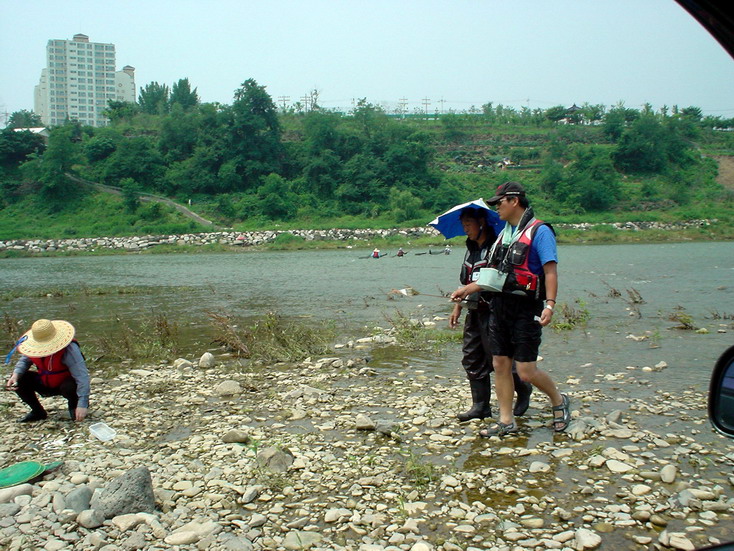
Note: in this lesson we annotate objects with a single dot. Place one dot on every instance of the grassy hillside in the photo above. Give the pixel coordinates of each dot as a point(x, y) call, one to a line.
point(251, 169)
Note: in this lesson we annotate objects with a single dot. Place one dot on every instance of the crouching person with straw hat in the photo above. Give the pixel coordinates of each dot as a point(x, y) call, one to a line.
point(60, 369)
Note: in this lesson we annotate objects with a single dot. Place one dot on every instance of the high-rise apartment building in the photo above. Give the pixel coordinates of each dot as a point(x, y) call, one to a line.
point(79, 80)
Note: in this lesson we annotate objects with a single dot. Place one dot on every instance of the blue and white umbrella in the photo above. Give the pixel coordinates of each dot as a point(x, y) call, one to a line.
point(449, 223)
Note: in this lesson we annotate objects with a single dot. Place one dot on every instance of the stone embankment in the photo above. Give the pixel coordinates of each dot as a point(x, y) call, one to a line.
point(234, 238)
point(248, 239)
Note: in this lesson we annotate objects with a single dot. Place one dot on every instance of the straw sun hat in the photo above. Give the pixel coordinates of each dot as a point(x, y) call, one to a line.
point(46, 337)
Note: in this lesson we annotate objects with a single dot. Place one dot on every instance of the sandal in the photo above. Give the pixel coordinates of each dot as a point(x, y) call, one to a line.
point(561, 423)
point(498, 429)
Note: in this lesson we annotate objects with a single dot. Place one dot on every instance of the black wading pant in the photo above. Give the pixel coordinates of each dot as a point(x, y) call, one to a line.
point(477, 359)
point(30, 383)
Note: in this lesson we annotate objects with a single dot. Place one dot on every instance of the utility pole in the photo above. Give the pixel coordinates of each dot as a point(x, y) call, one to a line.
point(426, 105)
point(441, 101)
point(305, 99)
point(284, 100)
point(403, 106)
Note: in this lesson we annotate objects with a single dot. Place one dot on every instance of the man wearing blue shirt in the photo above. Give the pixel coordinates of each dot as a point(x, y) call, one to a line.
point(60, 369)
point(524, 279)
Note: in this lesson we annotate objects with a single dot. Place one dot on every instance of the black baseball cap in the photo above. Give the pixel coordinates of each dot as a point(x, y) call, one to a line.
point(508, 189)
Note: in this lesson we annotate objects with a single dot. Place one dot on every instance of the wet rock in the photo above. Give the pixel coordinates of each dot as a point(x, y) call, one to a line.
point(676, 540)
point(236, 436)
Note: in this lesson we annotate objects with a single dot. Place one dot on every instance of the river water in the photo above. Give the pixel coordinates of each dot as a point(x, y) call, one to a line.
point(628, 290)
point(345, 286)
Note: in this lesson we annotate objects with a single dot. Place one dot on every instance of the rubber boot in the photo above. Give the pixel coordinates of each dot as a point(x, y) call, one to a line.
point(480, 401)
point(37, 412)
point(523, 391)
point(72, 408)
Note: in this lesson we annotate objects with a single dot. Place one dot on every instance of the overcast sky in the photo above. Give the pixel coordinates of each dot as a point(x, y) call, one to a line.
point(451, 54)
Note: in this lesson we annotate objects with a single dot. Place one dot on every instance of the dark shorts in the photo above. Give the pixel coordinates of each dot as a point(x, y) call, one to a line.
point(513, 330)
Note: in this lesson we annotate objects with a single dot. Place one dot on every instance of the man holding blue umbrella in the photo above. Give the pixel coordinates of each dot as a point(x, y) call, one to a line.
point(480, 225)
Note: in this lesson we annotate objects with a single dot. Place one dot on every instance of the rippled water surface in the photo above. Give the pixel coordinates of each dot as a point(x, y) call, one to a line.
point(346, 286)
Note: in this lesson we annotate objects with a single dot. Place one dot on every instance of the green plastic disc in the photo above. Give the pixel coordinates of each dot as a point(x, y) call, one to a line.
point(20, 472)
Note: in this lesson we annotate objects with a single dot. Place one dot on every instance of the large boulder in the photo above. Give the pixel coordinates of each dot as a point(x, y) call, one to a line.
point(131, 492)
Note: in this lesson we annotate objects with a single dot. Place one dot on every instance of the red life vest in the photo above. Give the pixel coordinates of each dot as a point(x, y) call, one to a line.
point(515, 260)
point(51, 368)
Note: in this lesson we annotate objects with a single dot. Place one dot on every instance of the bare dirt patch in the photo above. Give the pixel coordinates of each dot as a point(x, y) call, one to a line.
point(726, 171)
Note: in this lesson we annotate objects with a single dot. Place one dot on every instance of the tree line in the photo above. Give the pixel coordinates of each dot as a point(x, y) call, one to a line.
point(252, 161)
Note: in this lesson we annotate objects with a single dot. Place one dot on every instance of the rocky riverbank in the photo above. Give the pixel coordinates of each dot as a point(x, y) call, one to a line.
point(334, 454)
point(255, 238)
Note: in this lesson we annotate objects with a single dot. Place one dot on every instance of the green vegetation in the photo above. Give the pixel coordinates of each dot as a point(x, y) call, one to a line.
point(272, 339)
point(418, 471)
point(569, 317)
point(251, 166)
point(152, 339)
point(410, 332)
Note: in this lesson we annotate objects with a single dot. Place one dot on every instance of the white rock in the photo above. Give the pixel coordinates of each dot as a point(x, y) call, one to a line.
point(586, 539)
point(228, 388)
point(55, 545)
point(257, 520)
point(125, 522)
point(182, 538)
point(297, 539)
point(332, 515)
point(618, 467)
point(90, 519)
point(9, 494)
point(362, 422)
point(539, 467)
point(668, 473)
point(207, 360)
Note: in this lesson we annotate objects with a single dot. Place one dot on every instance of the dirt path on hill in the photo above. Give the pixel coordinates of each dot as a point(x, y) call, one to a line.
point(726, 171)
point(147, 197)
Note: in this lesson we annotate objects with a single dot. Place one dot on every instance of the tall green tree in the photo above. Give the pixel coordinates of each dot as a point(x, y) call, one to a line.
point(24, 119)
point(154, 99)
point(594, 180)
point(555, 114)
point(254, 134)
point(135, 158)
point(57, 164)
point(118, 111)
point(183, 95)
point(649, 147)
point(16, 147)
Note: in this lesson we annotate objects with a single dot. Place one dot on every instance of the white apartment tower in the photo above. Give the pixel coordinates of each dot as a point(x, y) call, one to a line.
point(79, 80)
